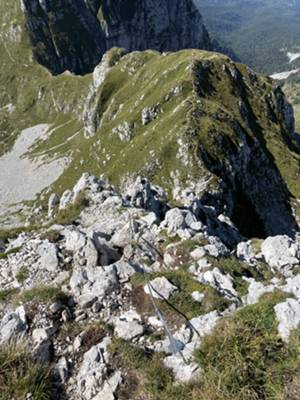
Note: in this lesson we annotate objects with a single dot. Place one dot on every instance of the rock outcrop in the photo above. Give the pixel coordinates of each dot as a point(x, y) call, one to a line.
point(65, 35)
point(163, 25)
point(85, 297)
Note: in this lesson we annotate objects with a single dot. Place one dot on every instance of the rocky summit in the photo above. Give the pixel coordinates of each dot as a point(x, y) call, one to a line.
point(149, 209)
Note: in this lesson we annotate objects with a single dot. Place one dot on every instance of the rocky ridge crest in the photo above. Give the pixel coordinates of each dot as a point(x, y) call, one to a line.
point(73, 291)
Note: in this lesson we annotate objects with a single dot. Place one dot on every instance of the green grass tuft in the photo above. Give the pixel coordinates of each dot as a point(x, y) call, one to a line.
point(7, 294)
point(43, 294)
point(22, 274)
point(245, 359)
point(20, 375)
point(69, 215)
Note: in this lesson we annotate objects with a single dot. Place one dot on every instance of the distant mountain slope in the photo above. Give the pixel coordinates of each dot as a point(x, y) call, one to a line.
point(261, 32)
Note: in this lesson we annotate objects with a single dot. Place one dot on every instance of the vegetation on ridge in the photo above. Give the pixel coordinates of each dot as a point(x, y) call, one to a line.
point(21, 375)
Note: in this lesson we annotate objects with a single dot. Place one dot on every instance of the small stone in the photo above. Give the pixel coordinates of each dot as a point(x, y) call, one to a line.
point(183, 372)
point(48, 256)
point(56, 308)
point(128, 326)
point(198, 297)
point(288, 315)
point(161, 288)
point(40, 335)
point(219, 281)
point(97, 306)
point(86, 300)
point(13, 325)
point(198, 253)
point(66, 315)
point(62, 369)
point(81, 317)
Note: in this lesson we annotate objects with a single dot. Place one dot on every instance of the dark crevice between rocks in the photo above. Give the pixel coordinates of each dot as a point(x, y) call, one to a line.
point(253, 194)
point(245, 217)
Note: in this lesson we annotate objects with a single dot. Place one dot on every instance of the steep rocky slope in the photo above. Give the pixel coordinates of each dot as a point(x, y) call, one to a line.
point(193, 121)
point(135, 299)
point(73, 35)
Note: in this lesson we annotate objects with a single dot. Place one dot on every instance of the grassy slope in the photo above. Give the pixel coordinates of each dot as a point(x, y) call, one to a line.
point(153, 149)
point(36, 95)
point(138, 81)
point(243, 359)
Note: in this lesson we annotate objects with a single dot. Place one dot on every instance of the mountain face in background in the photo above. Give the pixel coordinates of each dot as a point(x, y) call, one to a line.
point(261, 32)
point(187, 120)
point(74, 35)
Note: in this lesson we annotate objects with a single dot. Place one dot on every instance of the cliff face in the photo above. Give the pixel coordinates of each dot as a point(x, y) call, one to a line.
point(64, 34)
point(73, 35)
point(164, 25)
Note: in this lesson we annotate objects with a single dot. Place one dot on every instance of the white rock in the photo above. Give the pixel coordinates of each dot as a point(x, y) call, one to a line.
point(75, 239)
point(198, 253)
point(40, 335)
point(98, 281)
point(86, 300)
point(216, 248)
point(174, 220)
point(13, 325)
point(183, 373)
point(150, 219)
point(93, 370)
point(53, 202)
point(280, 251)
point(66, 200)
point(161, 288)
point(124, 236)
point(87, 181)
point(288, 316)
point(62, 369)
point(128, 326)
point(109, 388)
point(205, 324)
point(245, 252)
point(203, 264)
point(219, 281)
point(293, 286)
point(197, 296)
point(256, 290)
point(87, 255)
point(155, 322)
point(124, 270)
point(48, 256)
